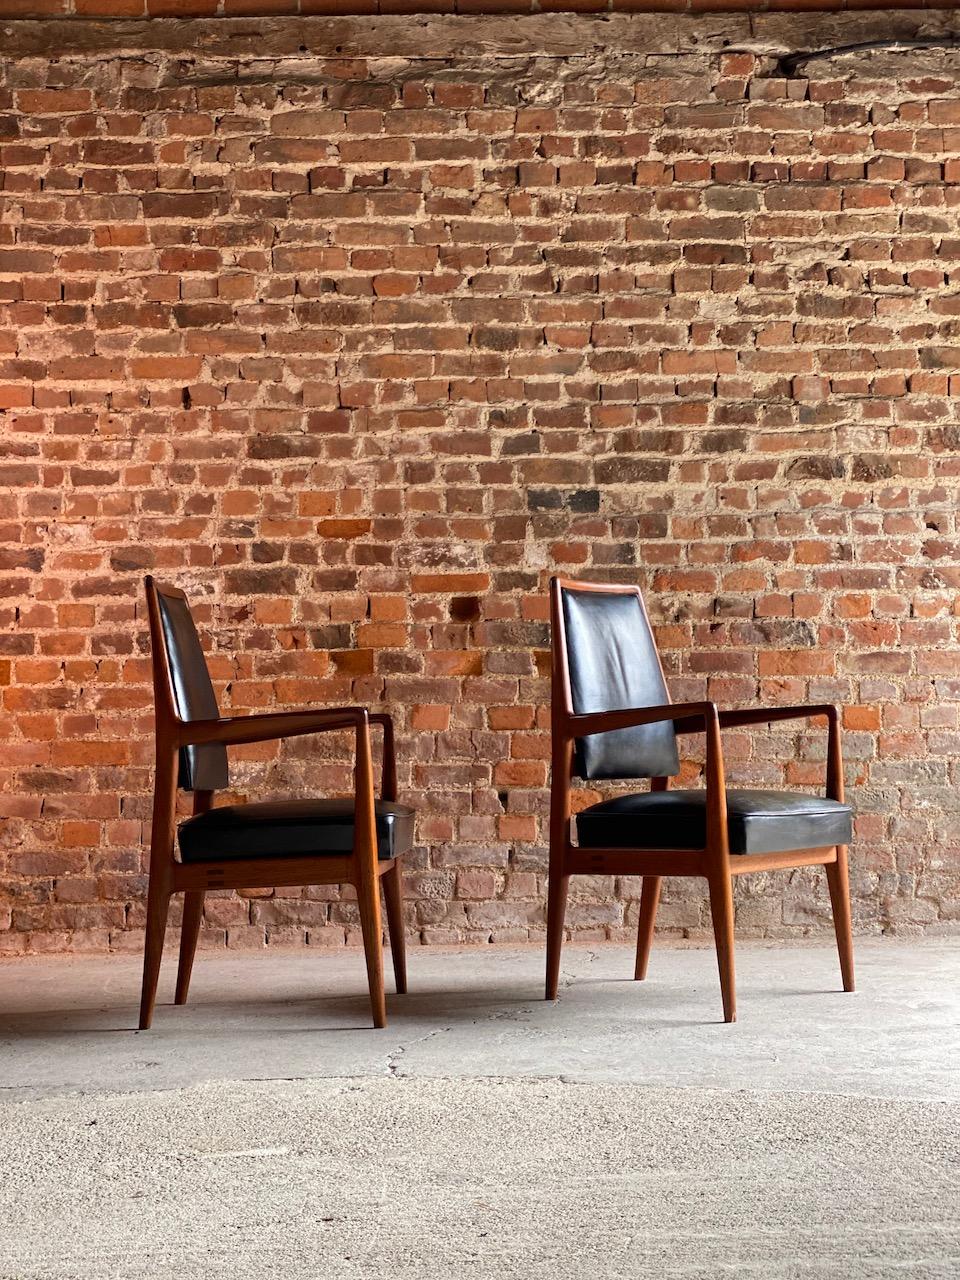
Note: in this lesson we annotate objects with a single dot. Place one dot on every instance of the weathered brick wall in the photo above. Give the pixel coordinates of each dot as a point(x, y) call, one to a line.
point(360, 349)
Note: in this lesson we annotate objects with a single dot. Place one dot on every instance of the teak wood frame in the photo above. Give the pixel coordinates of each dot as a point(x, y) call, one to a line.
point(361, 867)
point(714, 862)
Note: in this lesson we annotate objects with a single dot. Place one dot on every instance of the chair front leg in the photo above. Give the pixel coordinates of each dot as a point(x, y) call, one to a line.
point(160, 886)
point(367, 881)
point(556, 910)
point(368, 901)
point(838, 881)
point(559, 879)
point(838, 878)
point(721, 909)
point(717, 860)
point(158, 906)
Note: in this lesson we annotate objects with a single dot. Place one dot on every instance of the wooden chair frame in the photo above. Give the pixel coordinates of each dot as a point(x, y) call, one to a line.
point(361, 867)
point(714, 862)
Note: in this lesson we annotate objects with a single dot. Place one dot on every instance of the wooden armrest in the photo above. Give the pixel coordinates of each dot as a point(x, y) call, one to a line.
point(232, 730)
point(766, 715)
point(688, 717)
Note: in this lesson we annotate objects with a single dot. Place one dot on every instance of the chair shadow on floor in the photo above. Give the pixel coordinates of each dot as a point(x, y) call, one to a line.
point(425, 1010)
point(331, 1013)
point(265, 1008)
point(303, 1005)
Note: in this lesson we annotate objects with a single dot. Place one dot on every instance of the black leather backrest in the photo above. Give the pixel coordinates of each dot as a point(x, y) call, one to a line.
point(613, 664)
point(202, 768)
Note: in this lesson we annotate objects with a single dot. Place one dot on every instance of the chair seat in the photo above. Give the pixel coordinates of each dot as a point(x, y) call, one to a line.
point(290, 829)
point(757, 821)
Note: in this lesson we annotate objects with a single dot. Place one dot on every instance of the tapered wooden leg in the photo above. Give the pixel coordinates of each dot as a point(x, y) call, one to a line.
point(368, 900)
point(839, 883)
point(158, 904)
point(649, 901)
point(189, 932)
point(721, 908)
point(393, 897)
point(556, 909)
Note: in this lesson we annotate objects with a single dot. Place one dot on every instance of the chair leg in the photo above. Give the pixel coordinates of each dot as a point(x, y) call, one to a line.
point(393, 897)
point(721, 908)
point(649, 901)
point(556, 909)
point(838, 881)
point(158, 904)
point(189, 932)
point(368, 900)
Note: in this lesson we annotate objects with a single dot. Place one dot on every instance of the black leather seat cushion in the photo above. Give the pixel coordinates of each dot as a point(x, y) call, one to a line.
point(757, 821)
point(290, 829)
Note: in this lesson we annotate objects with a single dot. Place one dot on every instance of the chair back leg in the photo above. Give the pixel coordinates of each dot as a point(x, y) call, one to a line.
point(721, 908)
point(189, 932)
point(649, 901)
point(393, 897)
point(838, 880)
point(158, 906)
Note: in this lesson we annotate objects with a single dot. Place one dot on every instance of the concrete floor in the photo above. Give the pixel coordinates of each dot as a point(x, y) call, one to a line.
point(432, 1179)
point(67, 1025)
point(623, 1133)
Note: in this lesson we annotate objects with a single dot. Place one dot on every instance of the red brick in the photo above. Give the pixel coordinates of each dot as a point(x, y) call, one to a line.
point(431, 583)
point(430, 718)
point(53, 101)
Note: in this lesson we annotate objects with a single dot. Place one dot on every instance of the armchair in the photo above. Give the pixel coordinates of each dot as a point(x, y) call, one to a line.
point(612, 718)
point(264, 844)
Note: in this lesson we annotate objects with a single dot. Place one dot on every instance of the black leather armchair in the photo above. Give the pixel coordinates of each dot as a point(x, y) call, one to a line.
point(612, 718)
point(266, 844)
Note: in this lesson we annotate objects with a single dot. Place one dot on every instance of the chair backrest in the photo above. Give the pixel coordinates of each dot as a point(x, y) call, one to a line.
point(605, 659)
point(182, 681)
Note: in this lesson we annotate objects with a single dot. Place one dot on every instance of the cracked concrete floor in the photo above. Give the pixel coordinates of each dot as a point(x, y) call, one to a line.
point(266, 1130)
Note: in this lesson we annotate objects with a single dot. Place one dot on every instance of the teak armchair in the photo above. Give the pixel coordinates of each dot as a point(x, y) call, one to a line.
point(612, 718)
point(265, 844)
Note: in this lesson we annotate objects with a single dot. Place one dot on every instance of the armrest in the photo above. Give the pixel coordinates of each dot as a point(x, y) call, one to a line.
point(766, 715)
point(692, 716)
point(687, 717)
point(293, 724)
point(232, 730)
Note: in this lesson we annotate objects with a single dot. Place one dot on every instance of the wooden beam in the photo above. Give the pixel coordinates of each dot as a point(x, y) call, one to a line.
point(463, 37)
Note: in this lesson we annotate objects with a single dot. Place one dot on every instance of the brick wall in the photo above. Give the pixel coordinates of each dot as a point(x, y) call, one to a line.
point(359, 348)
